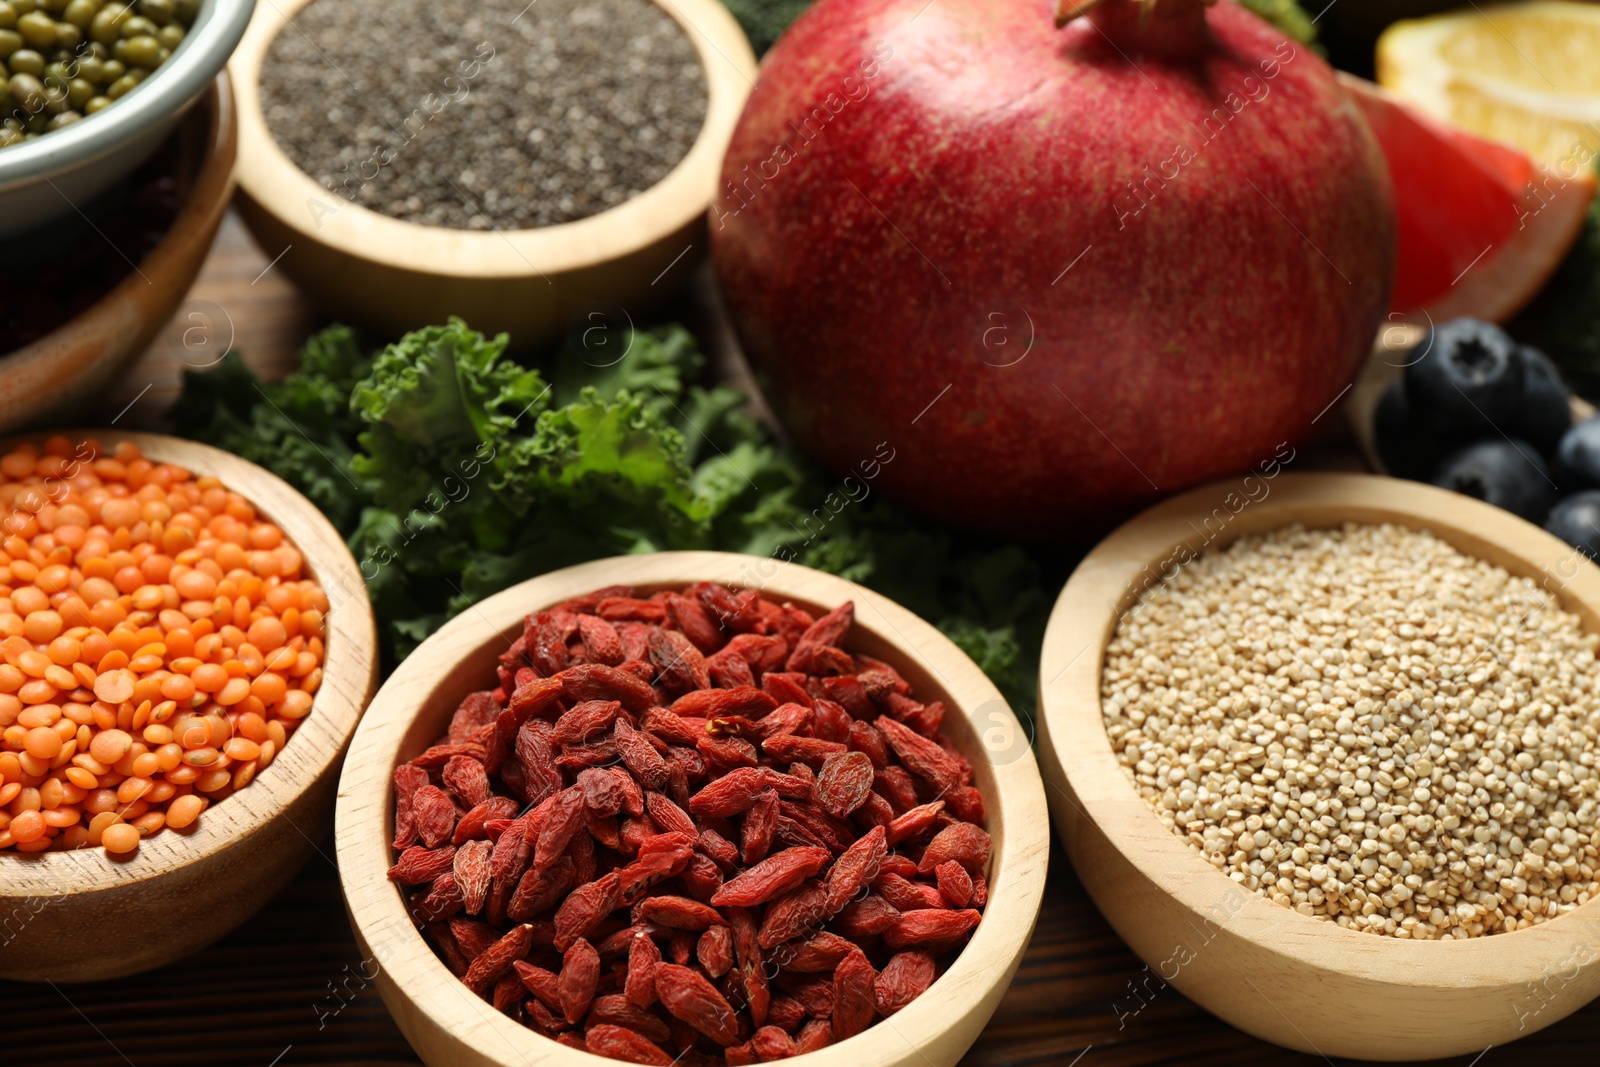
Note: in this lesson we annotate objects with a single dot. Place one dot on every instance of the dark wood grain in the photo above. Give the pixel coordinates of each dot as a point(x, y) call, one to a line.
point(288, 988)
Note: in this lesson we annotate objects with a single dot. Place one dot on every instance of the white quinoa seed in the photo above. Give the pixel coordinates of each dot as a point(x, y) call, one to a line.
point(1369, 727)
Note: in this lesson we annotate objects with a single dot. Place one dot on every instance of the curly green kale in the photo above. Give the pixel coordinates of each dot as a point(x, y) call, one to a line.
point(453, 471)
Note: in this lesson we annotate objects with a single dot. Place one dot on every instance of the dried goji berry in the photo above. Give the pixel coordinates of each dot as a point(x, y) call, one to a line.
point(690, 997)
point(814, 1036)
point(497, 959)
point(621, 1043)
point(868, 917)
point(538, 891)
point(844, 782)
point(905, 894)
point(639, 986)
point(614, 1009)
point(922, 757)
point(584, 909)
point(828, 630)
point(600, 641)
point(853, 1003)
point(714, 950)
point(701, 877)
point(407, 780)
point(855, 869)
point(536, 757)
point(580, 976)
point(771, 1043)
point(473, 936)
point(752, 967)
point(933, 930)
point(596, 681)
point(640, 755)
point(728, 670)
point(418, 864)
point(791, 749)
point(667, 815)
point(772, 877)
point(442, 900)
point(732, 793)
point(963, 842)
point(471, 869)
point(678, 913)
point(435, 815)
point(955, 884)
point(903, 979)
point(466, 780)
point(820, 954)
point(755, 833)
point(748, 701)
point(916, 822)
point(795, 914)
point(475, 823)
point(539, 982)
point(564, 819)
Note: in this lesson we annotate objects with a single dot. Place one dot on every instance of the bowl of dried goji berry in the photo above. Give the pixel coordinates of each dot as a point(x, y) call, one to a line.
point(691, 807)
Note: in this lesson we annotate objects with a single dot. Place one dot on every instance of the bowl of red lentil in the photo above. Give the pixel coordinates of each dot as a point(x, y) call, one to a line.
point(691, 807)
point(185, 648)
point(1324, 751)
point(518, 165)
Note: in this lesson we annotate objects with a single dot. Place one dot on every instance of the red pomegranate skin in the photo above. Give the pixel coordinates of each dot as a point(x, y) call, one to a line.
point(1023, 257)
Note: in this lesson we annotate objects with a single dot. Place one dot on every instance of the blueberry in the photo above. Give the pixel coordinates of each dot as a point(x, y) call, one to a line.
point(1546, 410)
point(1467, 378)
point(1578, 455)
point(1507, 474)
point(1407, 449)
point(1576, 520)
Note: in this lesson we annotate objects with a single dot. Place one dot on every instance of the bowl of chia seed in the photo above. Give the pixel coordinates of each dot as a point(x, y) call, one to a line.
point(513, 163)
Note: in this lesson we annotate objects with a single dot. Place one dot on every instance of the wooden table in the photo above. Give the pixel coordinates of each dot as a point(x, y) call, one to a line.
point(287, 989)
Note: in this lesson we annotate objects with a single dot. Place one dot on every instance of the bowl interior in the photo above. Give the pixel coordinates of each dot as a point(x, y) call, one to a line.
point(409, 715)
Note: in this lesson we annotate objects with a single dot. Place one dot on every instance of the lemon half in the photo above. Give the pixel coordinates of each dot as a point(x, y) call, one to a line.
point(1525, 74)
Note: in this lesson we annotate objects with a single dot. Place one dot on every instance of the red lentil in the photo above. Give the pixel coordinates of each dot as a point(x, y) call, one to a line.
point(159, 643)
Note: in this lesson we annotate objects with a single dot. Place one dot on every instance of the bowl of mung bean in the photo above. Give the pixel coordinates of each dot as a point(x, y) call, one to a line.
point(1325, 751)
point(90, 88)
point(528, 167)
point(186, 646)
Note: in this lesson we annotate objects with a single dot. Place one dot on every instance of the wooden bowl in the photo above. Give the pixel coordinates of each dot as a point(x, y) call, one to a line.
point(67, 371)
point(84, 915)
point(1282, 976)
point(1395, 350)
point(448, 1025)
point(395, 276)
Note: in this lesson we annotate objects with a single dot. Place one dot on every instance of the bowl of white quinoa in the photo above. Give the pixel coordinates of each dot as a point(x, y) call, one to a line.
point(1325, 751)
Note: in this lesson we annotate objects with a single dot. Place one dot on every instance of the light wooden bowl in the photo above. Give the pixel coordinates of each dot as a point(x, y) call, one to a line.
point(448, 1025)
point(65, 372)
point(84, 915)
point(1282, 976)
point(395, 276)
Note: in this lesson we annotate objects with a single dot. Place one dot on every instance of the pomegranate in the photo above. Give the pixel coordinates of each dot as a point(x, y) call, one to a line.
point(1059, 271)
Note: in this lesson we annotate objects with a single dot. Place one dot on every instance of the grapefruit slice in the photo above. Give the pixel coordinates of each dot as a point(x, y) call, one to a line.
point(1481, 225)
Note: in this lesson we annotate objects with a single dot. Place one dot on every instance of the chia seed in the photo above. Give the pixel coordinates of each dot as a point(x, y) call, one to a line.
point(484, 114)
